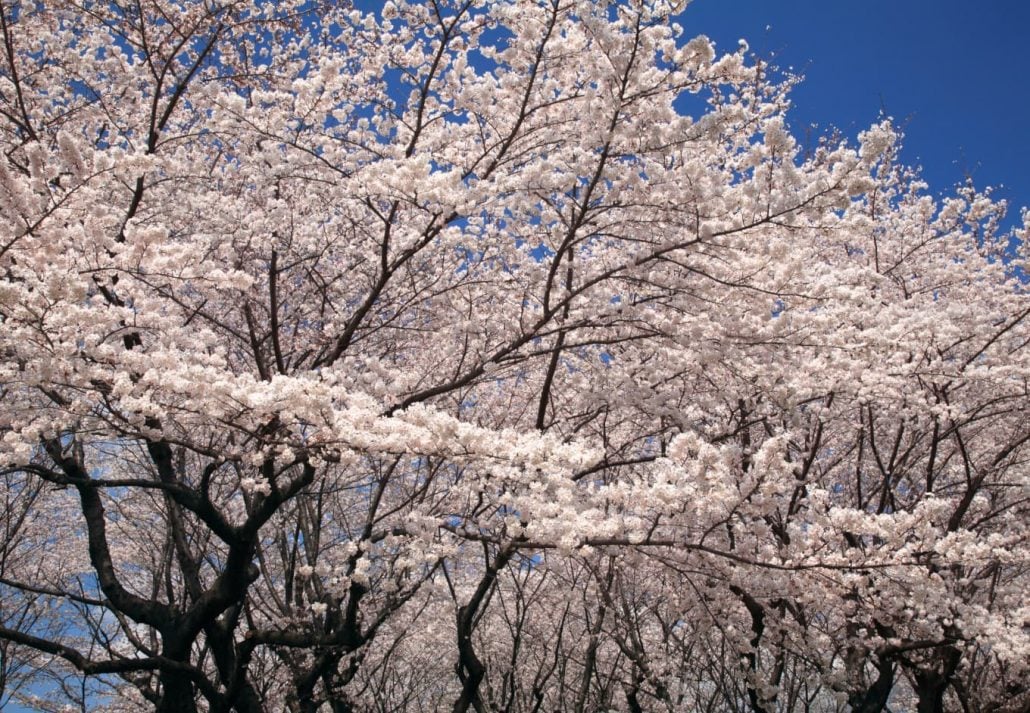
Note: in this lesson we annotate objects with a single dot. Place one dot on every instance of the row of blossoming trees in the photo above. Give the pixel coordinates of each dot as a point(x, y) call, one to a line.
point(503, 356)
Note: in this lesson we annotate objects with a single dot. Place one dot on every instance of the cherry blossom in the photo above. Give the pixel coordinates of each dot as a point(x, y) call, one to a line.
point(493, 356)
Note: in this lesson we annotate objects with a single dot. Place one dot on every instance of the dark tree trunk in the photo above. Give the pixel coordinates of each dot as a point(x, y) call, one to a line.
point(177, 693)
point(930, 690)
point(931, 685)
point(470, 669)
point(874, 700)
point(632, 701)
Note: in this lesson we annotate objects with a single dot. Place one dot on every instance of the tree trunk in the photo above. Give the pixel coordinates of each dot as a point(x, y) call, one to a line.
point(875, 697)
point(931, 685)
point(177, 694)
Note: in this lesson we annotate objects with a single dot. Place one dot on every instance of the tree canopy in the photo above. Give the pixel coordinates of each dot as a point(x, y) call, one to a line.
point(493, 356)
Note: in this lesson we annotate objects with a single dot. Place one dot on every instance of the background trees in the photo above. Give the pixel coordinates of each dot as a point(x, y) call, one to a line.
point(493, 356)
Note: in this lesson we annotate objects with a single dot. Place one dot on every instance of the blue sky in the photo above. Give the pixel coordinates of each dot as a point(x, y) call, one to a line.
point(956, 75)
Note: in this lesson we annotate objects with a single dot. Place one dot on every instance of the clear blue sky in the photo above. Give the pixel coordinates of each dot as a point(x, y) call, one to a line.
point(956, 75)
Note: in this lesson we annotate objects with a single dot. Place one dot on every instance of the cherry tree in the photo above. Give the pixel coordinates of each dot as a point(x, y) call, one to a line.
point(493, 356)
